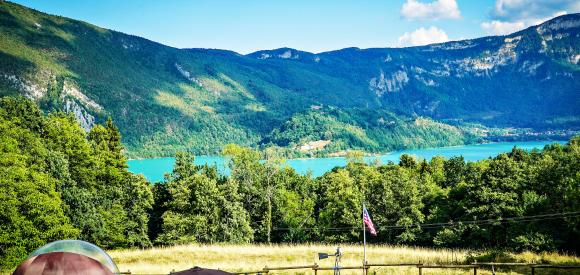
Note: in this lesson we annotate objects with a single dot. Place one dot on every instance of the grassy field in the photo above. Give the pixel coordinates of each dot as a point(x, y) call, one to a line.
point(255, 257)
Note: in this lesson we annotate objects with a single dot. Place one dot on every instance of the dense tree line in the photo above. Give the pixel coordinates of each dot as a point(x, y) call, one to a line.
point(444, 203)
point(59, 182)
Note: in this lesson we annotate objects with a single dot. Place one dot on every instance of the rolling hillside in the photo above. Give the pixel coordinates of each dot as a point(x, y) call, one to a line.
point(165, 99)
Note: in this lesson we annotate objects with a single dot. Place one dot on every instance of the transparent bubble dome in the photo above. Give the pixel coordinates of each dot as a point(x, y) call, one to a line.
point(79, 247)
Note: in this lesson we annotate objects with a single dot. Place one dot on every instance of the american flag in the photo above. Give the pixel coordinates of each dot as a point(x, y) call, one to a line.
point(368, 222)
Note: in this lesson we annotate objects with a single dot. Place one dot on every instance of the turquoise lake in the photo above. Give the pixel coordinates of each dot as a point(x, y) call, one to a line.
point(155, 168)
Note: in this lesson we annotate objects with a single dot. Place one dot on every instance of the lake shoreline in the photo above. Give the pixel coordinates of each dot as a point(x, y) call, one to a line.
point(154, 168)
point(382, 153)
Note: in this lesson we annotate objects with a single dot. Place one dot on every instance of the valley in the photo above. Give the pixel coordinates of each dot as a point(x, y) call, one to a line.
point(167, 100)
point(447, 142)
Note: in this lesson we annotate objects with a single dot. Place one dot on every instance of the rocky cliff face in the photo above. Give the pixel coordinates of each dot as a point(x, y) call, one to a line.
point(518, 79)
point(204, 98)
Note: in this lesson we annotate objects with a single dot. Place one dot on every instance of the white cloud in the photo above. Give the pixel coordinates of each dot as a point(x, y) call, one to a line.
point(496, 27)
point(530, 10)
point(509, 16)
point(499, 27)
point(542, 20)
point(438, 9)
point(423, 36)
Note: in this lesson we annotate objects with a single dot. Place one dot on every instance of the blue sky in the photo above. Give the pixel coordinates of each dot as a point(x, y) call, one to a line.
point(311, 25)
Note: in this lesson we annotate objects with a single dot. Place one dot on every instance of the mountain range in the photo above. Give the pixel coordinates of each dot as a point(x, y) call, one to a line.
point(166, 99)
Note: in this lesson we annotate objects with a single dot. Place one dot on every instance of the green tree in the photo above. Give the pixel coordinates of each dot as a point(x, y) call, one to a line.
point(137, 202)
point(201, 207)
point(161, 198)
point(234, 224)
point(253, 181)
point(454, 169)
point(293, 206)
point(396, 200)
point(408, 161)
point(340, 202)
point(31, 209)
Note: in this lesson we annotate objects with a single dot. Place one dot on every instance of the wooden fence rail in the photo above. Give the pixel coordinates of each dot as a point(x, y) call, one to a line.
point(420, 267)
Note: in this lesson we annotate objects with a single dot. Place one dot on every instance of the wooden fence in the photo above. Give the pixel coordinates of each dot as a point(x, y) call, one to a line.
point(420, 267)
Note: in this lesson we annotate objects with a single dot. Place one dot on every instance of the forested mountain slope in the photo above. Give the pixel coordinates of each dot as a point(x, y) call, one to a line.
point(59, 182)
point(165, 99)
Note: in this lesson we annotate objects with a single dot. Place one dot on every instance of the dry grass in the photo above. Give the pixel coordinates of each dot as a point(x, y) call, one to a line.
point(239, 258)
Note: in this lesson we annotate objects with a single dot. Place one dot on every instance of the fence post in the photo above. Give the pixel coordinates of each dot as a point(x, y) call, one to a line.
point(475, 270)
point(420, 270)
point(533, 270)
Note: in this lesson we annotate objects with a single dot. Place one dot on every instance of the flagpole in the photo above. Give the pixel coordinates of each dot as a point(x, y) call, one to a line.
point(364, 239)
